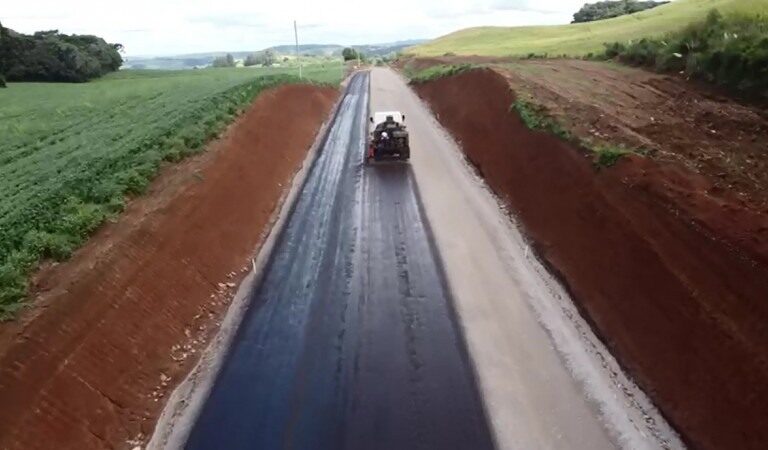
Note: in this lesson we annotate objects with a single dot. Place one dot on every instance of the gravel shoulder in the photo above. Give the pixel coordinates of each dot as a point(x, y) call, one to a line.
point(546, 380)
point(666, 263)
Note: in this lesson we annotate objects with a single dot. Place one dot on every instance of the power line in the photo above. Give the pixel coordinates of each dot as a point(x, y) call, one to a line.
point(296, 35)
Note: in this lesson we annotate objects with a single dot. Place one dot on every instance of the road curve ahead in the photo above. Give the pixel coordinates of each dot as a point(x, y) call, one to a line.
point(350, 340)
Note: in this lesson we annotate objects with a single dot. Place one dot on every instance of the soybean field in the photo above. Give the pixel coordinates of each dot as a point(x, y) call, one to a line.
point(71, 154)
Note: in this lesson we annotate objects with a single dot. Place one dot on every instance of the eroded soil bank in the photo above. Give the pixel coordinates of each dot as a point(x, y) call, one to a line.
point(673, 284)
point(115, 328)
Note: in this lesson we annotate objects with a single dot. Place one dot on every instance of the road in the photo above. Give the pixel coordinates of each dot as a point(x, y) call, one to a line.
point(350, 341)
point(546, 380)
point(403, 310)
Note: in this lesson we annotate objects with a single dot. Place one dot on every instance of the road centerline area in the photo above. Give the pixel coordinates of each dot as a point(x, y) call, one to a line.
point(349, 340)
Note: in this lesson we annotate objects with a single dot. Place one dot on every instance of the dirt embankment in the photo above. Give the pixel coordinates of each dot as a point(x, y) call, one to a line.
point(115, 328)
point(673, 276)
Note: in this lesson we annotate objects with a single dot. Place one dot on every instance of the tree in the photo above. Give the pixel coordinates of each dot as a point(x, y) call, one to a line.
point(349, 53)
point(269, 58)
point(6, 53)
point(52, 56)
point(265, 58)
point(612, 8)
point(251, 60)
point(224, 61)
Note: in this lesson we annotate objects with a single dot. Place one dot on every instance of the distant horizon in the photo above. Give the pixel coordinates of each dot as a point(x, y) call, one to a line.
point(223, 52)
point(148, 28)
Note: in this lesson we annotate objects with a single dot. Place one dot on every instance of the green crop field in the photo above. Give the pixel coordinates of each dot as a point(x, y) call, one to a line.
point(70, 153)
point(582, 38)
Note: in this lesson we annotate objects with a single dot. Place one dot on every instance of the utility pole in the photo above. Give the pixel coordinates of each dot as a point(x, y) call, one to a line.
point(296, 35)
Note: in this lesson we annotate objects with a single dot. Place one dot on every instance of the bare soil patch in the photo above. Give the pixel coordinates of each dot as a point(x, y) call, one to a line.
point(674, 120)
point(418, 64)
point(668, 263)
point(113, 330)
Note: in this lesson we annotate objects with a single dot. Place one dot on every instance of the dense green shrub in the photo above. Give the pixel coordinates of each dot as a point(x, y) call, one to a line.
point(350, 53)
point(608, 9)
point(730, 51)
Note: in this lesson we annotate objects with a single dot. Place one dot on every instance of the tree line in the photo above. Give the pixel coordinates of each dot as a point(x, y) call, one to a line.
point(608, 9)
point(264, 58)
point(53, 56)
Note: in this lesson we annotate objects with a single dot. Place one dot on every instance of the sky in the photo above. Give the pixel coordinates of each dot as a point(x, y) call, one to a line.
point(172, 27)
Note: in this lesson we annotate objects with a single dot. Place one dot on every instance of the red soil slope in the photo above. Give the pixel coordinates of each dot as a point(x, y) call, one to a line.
point(646, 253)
point(115, 328)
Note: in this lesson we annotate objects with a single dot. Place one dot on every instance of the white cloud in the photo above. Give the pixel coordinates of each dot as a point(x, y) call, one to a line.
point(162, 27)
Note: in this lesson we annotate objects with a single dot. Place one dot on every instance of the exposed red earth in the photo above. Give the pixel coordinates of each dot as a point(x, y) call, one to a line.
point(666, 255)
point(114, 329)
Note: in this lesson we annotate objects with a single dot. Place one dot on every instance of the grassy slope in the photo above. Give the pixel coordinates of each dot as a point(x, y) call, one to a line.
point(70, 152)
point(583, 38)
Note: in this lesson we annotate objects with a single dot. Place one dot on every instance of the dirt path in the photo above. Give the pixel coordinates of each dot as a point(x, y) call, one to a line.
point(116, 327)
point(670, 271)
point(546, 380)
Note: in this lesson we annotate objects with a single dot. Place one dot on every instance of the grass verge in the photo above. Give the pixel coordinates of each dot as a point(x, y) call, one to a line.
point(439, 71)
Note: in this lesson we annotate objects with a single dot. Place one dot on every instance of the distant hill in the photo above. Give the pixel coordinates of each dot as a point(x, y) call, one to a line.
point(581, 38)
point(189, 61)
point(176, 62)
point(308, 49)
point(388, 48)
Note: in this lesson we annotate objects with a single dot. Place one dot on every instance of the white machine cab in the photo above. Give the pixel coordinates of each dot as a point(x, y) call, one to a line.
point(379, 117)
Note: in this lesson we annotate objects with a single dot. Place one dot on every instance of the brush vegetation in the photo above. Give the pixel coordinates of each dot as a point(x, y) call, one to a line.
point(536, 117)
point(580, 39)
point(731, 51)
point(608, 155)
point(71, 153)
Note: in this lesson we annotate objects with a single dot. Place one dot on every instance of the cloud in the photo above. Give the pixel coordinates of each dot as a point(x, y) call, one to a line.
point(165, 27)
point(228, 21)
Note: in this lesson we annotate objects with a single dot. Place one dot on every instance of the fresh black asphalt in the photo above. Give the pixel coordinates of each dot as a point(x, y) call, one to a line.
point(350, 340)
